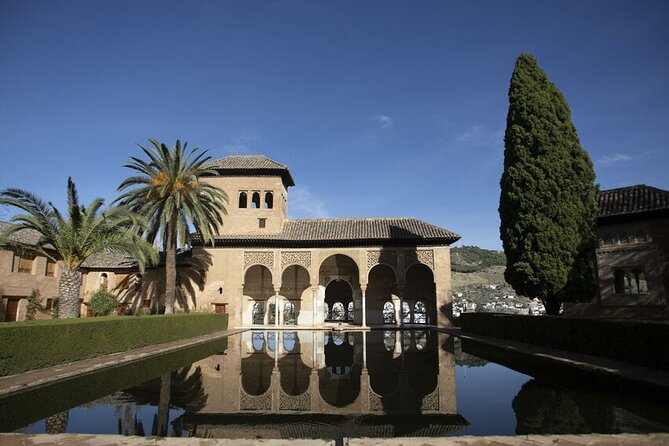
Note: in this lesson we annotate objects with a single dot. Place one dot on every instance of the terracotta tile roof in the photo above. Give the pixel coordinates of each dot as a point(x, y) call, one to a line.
point(251, 164)
point(110, 260)
point(350, 231)
point(27, 236)
point(632, 200)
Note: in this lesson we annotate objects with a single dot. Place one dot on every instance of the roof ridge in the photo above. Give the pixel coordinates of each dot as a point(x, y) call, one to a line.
point(351, 218)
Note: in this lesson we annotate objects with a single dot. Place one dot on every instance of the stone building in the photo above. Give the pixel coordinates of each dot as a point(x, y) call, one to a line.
point(632, 254)
point(266, 269)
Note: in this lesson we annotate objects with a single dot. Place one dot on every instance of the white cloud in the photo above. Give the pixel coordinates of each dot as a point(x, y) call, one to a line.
point(244, 144)
point(478, 134)
point(303, 204)
point(615, 158)
point(237, 149)
point(384, 121)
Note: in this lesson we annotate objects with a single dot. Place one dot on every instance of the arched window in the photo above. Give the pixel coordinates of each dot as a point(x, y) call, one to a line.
point(289, 313)
point(419, 313)
point(255, 200)
point(388, 313)
point(350, 311)
point(338, 313)
point(269, 200)
point(271, 314)
point(405, 315)
point(258, 313)
point(243, 198)
point(104, 282)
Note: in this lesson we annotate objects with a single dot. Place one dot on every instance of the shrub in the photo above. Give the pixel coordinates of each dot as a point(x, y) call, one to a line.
point(34, 305)
point(103, 303)
point(37, 344)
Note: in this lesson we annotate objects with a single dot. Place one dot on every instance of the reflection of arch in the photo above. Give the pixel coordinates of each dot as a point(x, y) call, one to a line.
point(420, 287)
point(338, 295)
point(257, 373)
point(383, 367)
point(294, 373)
point(339, 382)
point(380, 289)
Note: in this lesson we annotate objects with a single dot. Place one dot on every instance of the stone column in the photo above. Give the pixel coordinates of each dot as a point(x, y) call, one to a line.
point(276, 307)
point(364, 305)
point(314, 297)
point(400, 319)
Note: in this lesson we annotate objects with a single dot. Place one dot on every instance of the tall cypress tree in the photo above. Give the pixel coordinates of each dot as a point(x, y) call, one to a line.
point(547, 204)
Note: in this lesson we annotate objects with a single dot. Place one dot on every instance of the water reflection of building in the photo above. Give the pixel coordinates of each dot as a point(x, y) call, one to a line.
point(357, 379)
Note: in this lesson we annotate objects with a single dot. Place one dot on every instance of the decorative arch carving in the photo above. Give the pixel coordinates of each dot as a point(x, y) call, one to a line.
point(423, 256)
point(302, 258)
point(264, 258)
point(382, 257)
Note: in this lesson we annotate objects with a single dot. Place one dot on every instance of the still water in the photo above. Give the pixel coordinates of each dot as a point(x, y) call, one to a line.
point(322, 384)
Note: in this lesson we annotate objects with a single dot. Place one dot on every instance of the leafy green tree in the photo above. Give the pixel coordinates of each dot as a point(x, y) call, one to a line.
point(70, 240)
point(170, 192)
point(547, 204)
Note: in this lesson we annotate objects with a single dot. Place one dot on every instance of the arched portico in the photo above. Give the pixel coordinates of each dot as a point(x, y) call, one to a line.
point(259, 295)
point(338, 275)
point(420, 297)
point(382, 301)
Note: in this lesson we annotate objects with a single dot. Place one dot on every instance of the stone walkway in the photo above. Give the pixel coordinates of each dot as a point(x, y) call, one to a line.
point(520, 440)
point(10, 385)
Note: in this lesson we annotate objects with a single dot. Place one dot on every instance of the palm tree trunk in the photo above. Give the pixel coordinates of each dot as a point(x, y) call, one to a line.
point(69, 286)
point(171, 266)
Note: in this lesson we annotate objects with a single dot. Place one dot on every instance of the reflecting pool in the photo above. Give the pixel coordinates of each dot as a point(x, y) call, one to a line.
point(333, 384)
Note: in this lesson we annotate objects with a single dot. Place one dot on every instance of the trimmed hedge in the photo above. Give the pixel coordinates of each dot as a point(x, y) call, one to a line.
point(638, 342)
point(37, 344)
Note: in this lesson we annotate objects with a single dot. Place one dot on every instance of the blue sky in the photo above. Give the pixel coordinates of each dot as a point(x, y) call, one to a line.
point(378, 108)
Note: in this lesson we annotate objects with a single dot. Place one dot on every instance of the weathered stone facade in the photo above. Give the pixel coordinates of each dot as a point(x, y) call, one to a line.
point(266, 269)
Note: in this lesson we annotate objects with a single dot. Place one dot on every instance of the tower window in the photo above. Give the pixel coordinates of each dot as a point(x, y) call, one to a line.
point(269, 200)
point(242, 200)
point(262, 222)
point(255, 200)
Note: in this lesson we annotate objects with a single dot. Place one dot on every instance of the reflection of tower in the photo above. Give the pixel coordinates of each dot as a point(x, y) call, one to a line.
point(447, 400)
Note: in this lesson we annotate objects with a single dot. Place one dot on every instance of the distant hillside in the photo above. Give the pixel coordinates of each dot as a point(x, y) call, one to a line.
point(477, 280)
point(468, 259)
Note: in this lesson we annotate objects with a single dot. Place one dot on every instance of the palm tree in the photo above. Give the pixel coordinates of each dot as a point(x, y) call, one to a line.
point(71, 240)
point(170, 194)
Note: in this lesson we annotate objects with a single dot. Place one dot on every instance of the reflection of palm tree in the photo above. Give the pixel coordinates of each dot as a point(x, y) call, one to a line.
point(57, 423)
point(164, 404)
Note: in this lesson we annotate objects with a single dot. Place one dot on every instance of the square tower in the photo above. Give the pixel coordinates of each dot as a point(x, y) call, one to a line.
point(257, 191)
